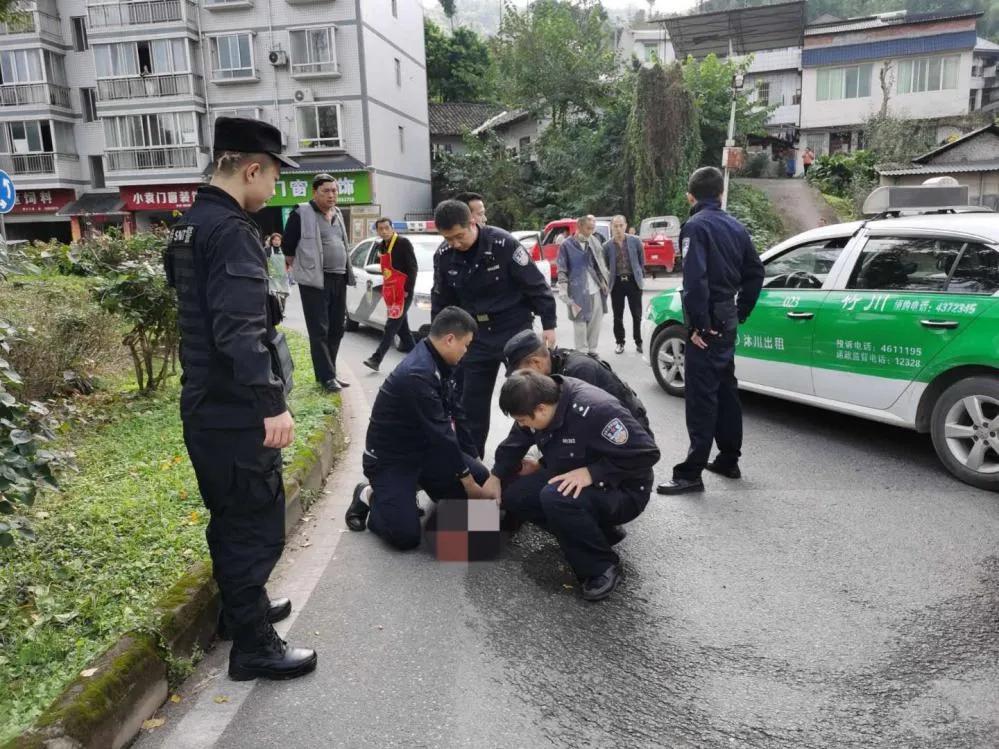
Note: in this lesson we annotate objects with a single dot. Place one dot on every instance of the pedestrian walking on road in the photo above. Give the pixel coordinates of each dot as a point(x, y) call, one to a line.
point(625, 259)
point(583, 283)
point(417, 438)
point(399, 270)
point(487, 272)
point(597, 472)
point(316, 246)
point(722, 278)
point(237, 372)
point(807, 158)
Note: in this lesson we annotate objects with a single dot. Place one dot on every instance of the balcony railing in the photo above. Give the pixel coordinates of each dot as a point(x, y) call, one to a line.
point(28, 20)
point(136, 13)
point(175, 157)
point(315, 69)
point(34, 163)
point(21, 94)
point(150, 86)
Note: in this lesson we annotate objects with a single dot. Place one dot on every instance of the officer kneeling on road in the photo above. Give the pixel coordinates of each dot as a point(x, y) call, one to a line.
point(237, 370)
point(417, 437)
point(722, 278)
point(527, 351)
point(597, 470)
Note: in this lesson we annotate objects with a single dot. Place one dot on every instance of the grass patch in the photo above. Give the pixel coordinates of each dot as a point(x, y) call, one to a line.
point(843, 206)
point(757, 213)
point(125, 528)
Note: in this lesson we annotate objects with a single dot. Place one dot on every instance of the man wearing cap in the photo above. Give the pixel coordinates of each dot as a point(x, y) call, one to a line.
point(526, 350)
point(316, 248)
point(237, 372)
point(489, 274)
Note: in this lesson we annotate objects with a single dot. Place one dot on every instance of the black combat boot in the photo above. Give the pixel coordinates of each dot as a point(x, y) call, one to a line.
point(278, 610)
point(261, 654)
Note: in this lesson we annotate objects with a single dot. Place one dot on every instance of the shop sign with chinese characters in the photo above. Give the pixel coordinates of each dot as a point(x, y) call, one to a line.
point(292, 189)
point(159, 197)
point(41, 201)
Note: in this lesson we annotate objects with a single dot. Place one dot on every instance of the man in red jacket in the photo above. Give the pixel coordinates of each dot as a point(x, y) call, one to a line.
point(399, 271)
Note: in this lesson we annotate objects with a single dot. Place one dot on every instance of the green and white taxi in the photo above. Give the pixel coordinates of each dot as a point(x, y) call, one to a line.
point(895, 319)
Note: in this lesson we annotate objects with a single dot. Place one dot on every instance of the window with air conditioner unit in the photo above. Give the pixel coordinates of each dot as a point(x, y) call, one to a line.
point(313, 52)
point(319, 127)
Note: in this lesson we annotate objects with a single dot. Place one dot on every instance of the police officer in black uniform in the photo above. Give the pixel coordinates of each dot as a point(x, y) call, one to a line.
point(527, 351)
point(237, 371)
point(722, 278)
point(487, 272)
point(597, 470)
point(417, 439)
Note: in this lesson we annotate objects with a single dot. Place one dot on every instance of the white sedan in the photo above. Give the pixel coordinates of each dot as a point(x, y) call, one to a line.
point(365, 305)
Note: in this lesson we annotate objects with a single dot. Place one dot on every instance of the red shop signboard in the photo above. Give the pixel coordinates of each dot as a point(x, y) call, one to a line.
point(159, 197)
point(29, 202)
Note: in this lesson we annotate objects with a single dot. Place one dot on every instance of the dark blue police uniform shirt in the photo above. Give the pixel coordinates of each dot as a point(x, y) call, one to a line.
point(495, 281)
point(590, 429)
point(417, 417)
point(719, 262)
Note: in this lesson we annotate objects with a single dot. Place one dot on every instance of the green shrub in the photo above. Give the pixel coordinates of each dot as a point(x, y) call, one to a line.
point(835, 173)
point(753, 208)
point(67, 339)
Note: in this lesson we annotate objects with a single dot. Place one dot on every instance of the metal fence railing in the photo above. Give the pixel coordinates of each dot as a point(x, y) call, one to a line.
point(150, 86)
point(21, 94)
point(152, 158)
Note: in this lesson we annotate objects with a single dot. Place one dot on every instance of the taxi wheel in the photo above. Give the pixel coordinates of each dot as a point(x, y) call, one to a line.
point(349, 325)
point(668, 350)
point(965, 431)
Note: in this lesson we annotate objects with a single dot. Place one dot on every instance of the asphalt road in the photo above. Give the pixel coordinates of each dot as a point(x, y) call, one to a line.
point(845, 593)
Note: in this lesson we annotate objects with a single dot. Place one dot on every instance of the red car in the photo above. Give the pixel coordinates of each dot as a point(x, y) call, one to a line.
point(556, 232)
point(660, 236)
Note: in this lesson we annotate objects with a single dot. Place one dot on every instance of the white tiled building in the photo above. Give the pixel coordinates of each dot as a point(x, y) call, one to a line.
point(106, 107)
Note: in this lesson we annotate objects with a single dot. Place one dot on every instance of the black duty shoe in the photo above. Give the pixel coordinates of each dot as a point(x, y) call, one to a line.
point(332, 386)
point(729, 472)
point(680, 486)
point(371, 363)
point(619, 348)
point(279, 610)
point(615, 534)
point(356, 517)
point(638, 348)
point(341, 383)
point(271, 659)
point(599, 587)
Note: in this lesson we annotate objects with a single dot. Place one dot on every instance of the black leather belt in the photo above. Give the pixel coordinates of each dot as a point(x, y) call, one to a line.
point(626, 277)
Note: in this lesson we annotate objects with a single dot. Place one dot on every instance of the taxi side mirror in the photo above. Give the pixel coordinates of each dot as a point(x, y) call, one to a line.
point(374, 269)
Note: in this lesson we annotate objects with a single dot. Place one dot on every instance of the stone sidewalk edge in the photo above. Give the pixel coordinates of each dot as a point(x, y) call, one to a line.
point(130, 680)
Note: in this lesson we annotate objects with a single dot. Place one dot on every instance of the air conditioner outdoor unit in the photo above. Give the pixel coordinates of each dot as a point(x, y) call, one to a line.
point(304, 95)
point(278, 58)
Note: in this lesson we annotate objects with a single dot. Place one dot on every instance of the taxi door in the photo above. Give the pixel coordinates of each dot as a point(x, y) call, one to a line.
point(774, 346)
point(364, 301)
point(904, 302)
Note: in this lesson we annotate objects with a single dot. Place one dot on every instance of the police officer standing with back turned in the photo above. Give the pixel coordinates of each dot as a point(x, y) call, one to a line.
point(237, 370)
point(722, 278)
point(487, 273)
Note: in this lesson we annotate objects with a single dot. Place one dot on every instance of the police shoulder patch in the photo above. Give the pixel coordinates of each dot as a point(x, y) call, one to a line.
point(520, 256)
point(615, 432)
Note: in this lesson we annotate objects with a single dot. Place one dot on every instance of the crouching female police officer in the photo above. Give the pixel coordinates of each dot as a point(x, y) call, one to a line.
point(236, 372)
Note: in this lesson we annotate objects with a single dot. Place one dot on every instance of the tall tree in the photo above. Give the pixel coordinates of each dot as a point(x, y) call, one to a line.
point(555, 57)
point(459, 67)
point(663, 141)
point(710, 80)
point(449, 7)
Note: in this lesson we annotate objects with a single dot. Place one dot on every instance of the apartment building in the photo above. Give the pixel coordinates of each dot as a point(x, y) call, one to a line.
point(929, 66)
point(106, 106)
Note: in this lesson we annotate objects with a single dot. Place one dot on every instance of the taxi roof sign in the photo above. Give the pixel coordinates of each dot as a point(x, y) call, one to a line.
point(916, 199)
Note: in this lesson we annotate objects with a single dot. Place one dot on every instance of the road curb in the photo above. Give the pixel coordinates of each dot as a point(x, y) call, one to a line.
point(131, 680)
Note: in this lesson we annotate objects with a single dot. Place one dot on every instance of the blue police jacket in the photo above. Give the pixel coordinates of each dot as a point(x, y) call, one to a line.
point(232, 368)
point(719, 264)
point(590, 429)
point(495, 281)
point(417, 416)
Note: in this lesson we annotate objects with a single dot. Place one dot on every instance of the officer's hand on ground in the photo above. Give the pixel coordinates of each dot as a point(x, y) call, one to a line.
point(697, 340)
point(528, 466)
point(573, 482)
point(548, 336)
point(279, 431)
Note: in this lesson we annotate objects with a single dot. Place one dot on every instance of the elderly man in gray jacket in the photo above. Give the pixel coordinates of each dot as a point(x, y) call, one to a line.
point(625, 256)
point(316, 249)
point(583, 283)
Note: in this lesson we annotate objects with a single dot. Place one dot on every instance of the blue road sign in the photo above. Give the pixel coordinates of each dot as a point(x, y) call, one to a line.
point(7, 193)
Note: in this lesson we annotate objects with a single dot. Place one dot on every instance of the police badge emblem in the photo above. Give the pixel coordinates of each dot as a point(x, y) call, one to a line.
point(615, 432)
point(520, 256)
